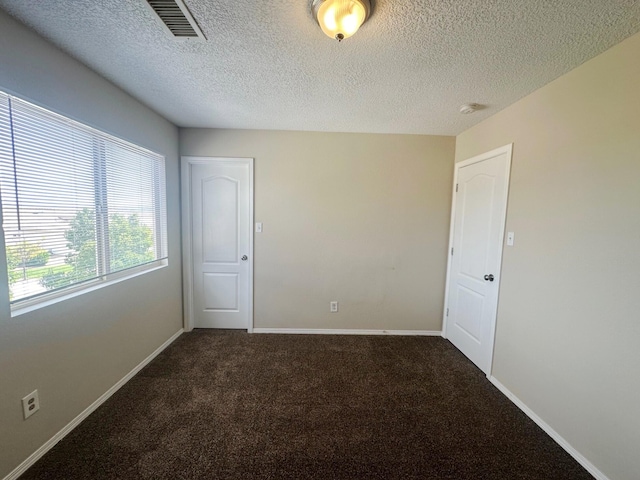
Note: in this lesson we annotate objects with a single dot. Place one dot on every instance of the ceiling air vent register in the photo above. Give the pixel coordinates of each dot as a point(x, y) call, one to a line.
point(176, 17)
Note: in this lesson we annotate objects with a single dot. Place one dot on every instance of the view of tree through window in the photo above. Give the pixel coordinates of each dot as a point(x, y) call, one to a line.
point(130, 242)
point(78, 205)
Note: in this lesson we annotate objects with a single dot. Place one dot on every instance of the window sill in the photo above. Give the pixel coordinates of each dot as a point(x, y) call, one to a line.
point(45, 300)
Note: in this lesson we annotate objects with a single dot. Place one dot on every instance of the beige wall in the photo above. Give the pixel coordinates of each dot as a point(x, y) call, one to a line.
point(358, 218)
point(568, 331)
point(75, 350)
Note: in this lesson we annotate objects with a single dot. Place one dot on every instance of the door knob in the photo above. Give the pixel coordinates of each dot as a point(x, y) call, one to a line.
point(489, 277)
point(244, 259)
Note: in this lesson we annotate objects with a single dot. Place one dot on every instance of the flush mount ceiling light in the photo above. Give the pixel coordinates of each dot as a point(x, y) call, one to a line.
point(340, 19)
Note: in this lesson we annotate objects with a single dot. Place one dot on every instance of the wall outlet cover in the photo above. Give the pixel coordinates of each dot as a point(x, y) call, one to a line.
point(30, 404)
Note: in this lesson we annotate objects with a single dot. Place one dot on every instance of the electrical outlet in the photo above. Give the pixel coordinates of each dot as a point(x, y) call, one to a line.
point(30, 404)
point(333, 307)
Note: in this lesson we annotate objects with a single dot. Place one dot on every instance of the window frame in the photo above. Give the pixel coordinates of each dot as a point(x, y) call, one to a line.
point(104, 277)
point(30, 304)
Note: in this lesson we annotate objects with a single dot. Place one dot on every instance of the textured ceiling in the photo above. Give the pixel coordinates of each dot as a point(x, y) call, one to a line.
point(267, 64)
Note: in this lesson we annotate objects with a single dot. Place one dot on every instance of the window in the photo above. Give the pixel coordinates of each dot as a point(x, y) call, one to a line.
point(80, 207)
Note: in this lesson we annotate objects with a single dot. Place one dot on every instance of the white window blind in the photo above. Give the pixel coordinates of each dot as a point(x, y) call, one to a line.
point(78, 205)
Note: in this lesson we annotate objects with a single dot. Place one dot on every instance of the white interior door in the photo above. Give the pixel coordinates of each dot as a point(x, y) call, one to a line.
point(218, 213)
point(478, 218)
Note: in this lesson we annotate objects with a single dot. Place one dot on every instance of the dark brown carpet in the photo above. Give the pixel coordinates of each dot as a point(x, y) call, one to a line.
point(228, 405)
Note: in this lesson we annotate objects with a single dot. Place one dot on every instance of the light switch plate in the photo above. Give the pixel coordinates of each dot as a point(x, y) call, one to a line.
point(258, 227)
point(510, 238)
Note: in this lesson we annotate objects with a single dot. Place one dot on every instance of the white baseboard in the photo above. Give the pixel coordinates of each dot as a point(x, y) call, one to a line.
point(327, 331)
point(550, 431)
point(35, 456)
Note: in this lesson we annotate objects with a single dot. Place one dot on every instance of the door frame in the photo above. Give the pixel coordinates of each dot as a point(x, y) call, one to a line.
point(186, 161)
point(508, 149)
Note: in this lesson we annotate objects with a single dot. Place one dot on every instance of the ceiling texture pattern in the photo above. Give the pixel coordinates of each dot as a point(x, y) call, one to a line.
point(267, 64)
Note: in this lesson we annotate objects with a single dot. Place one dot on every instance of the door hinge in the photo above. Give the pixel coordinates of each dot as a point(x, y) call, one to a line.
point(447, 312)
point(456, 187)
point(451, 250)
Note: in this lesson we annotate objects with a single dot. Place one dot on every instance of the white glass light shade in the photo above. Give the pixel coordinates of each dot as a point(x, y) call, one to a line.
point(340, 19)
